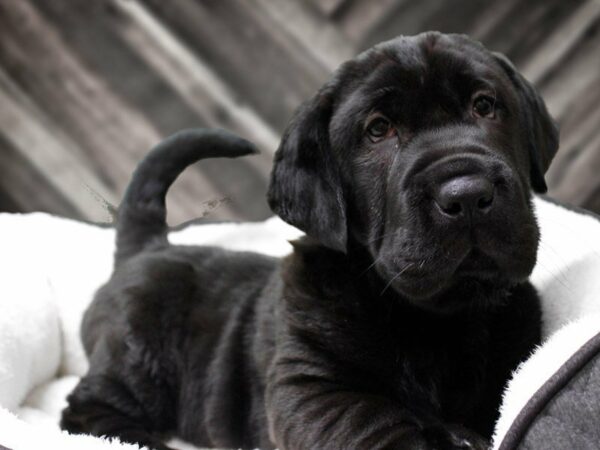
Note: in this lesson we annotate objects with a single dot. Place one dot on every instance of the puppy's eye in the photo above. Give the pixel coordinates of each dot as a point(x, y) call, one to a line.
point(379, 128)
point(483, 106)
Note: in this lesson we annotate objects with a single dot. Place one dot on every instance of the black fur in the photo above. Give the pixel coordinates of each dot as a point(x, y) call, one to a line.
point(392, 325)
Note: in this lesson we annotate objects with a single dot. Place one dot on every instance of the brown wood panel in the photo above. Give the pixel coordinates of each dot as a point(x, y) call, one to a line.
point(86, 88)
point(251, 52)
point(112, 126)
point(23, 188)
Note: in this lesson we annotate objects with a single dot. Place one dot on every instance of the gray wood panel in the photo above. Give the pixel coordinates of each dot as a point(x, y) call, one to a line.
point(86, 88)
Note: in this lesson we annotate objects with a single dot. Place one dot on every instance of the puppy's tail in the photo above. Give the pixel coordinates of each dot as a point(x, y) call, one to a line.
point(141, 220)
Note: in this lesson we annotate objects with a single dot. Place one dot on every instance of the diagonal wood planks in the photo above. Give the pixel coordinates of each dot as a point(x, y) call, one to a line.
point(87, 87)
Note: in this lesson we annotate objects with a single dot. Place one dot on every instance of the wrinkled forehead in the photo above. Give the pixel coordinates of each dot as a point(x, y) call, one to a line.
point(423, 67)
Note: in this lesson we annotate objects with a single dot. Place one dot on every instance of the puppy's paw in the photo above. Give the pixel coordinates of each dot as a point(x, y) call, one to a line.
point(453, 437)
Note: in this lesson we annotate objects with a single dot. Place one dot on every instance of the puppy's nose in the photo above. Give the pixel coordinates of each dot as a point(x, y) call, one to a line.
point(465, 196)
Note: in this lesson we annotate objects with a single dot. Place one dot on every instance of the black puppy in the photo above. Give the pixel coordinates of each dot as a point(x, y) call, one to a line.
point(395, 324)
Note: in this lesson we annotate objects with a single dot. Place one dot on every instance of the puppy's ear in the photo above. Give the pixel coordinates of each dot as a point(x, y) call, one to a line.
point(305, 188)
point(542, 130)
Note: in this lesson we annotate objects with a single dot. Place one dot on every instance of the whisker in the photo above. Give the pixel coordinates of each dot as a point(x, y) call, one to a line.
point(408, 266)
point(560, 280)
point(561, 272)
point(378, 238)
point(375, 261)
point(573, 234)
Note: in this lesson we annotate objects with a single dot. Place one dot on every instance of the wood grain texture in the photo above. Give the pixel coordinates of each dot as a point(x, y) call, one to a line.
point(86, 88)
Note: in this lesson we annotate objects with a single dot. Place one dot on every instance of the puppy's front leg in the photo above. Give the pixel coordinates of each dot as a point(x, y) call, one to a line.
point(309, 408)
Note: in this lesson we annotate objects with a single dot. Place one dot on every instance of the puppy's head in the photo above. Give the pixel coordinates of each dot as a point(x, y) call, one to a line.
point(423, 150)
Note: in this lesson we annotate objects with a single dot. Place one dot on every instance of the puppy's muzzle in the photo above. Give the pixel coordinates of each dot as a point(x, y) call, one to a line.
point(464, 197)
point(464, 187)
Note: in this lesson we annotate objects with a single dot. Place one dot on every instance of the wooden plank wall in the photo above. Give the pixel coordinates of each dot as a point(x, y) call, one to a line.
point(87, 87)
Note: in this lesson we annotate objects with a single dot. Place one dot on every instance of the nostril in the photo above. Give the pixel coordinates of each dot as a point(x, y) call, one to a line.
point(454, 209)
point(485, 202)
point(463, 196)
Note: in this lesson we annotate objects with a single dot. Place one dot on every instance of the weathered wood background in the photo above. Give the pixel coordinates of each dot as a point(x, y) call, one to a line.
point(88, 86)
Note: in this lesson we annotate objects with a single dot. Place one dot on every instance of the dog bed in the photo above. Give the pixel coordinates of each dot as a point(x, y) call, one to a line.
point(51, 267)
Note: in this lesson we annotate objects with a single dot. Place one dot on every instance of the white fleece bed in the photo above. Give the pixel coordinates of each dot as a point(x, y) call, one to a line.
point(50, 268)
